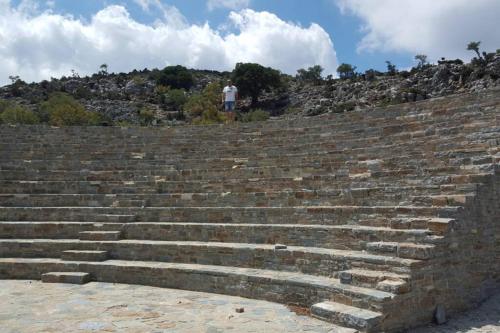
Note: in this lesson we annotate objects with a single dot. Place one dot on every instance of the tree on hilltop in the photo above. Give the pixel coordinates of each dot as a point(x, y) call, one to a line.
point(252, 79)
point(422, 60)
point(391, 68)
point(346, 71)
point(474, 46)
point(175, 77)
point(312, 74)
point(103, 69)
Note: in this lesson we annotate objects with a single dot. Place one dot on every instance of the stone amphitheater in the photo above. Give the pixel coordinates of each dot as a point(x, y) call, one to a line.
point(376, 220)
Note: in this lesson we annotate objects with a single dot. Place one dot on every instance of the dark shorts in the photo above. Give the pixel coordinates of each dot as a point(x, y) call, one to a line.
point(229, 106)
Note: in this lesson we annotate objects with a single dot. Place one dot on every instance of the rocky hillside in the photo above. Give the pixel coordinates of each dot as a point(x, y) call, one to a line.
point(119, 98)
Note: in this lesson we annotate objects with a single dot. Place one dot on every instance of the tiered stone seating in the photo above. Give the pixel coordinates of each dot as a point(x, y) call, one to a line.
point(371, 219)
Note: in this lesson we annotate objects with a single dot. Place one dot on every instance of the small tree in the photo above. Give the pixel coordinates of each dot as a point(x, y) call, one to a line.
point(474, 46)
point(103, 69)
point(176, 77)
point(391, 69)
point(253, 79)
point(312, 74)
point(16, 86)
point(346, 71)
point(370, 75)
point(422, 60)
point(13, 78)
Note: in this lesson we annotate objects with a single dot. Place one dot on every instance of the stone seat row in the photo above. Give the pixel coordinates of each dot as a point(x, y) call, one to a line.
point(377, 196)
point(274, 215)
point(231, 148)
point(306, 260)
point(316, 235)
point(372, 155)
point(282, 287)
point(451, 144)
point(297, 173)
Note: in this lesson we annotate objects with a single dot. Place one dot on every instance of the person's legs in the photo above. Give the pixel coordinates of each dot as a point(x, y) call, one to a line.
point(229, 107)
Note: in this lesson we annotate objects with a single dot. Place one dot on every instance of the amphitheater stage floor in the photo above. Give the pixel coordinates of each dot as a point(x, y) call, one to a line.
point(30, 306)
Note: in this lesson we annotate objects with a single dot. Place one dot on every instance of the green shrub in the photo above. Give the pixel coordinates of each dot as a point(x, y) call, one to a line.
point(4, 105)
point(255, 115)
point(16, 114)
point(292, 110)
point(123, 123)
point(203, 108)
point(138, 80)
point(177, 98)
point(195, 106)
point(210, 116)
point(342, 107)
point(64, 110)
point(146, 116)
point(82, 92)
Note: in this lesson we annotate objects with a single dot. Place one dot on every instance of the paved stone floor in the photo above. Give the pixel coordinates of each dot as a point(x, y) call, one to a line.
point(30, 306)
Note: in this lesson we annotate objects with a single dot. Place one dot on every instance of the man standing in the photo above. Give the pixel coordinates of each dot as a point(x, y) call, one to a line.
point(229, 98)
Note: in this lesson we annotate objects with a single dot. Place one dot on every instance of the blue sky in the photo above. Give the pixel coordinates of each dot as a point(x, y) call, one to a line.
point(215, 34)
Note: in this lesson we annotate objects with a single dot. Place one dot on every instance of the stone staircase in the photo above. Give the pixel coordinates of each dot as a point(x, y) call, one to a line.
point(371, 219)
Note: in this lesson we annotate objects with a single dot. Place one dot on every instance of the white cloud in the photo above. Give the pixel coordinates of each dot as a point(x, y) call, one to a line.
point(38, 46)
point(266, 39)
point(438, 28)
point(230, 4)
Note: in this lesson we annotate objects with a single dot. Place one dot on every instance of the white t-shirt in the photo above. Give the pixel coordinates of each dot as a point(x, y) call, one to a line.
point(230, 93)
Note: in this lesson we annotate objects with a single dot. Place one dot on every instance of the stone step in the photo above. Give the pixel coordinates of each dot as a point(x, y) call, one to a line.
point(66, 277)
point(445, 199)
point(307, 260)
point(84, 255)
point(428, 130)
point(52, 230)
point(100, 235)
point(403, 250)
point(228, 135)
point(349, 316)
point(327, 236)
point(381, 280)
point(328, 215)
point(431, 195)
point(276, 286)
point(248, 147)
point(436, 226)
point(320, 183)
point(447, 148)
point(275, 138)
point(287, 171)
